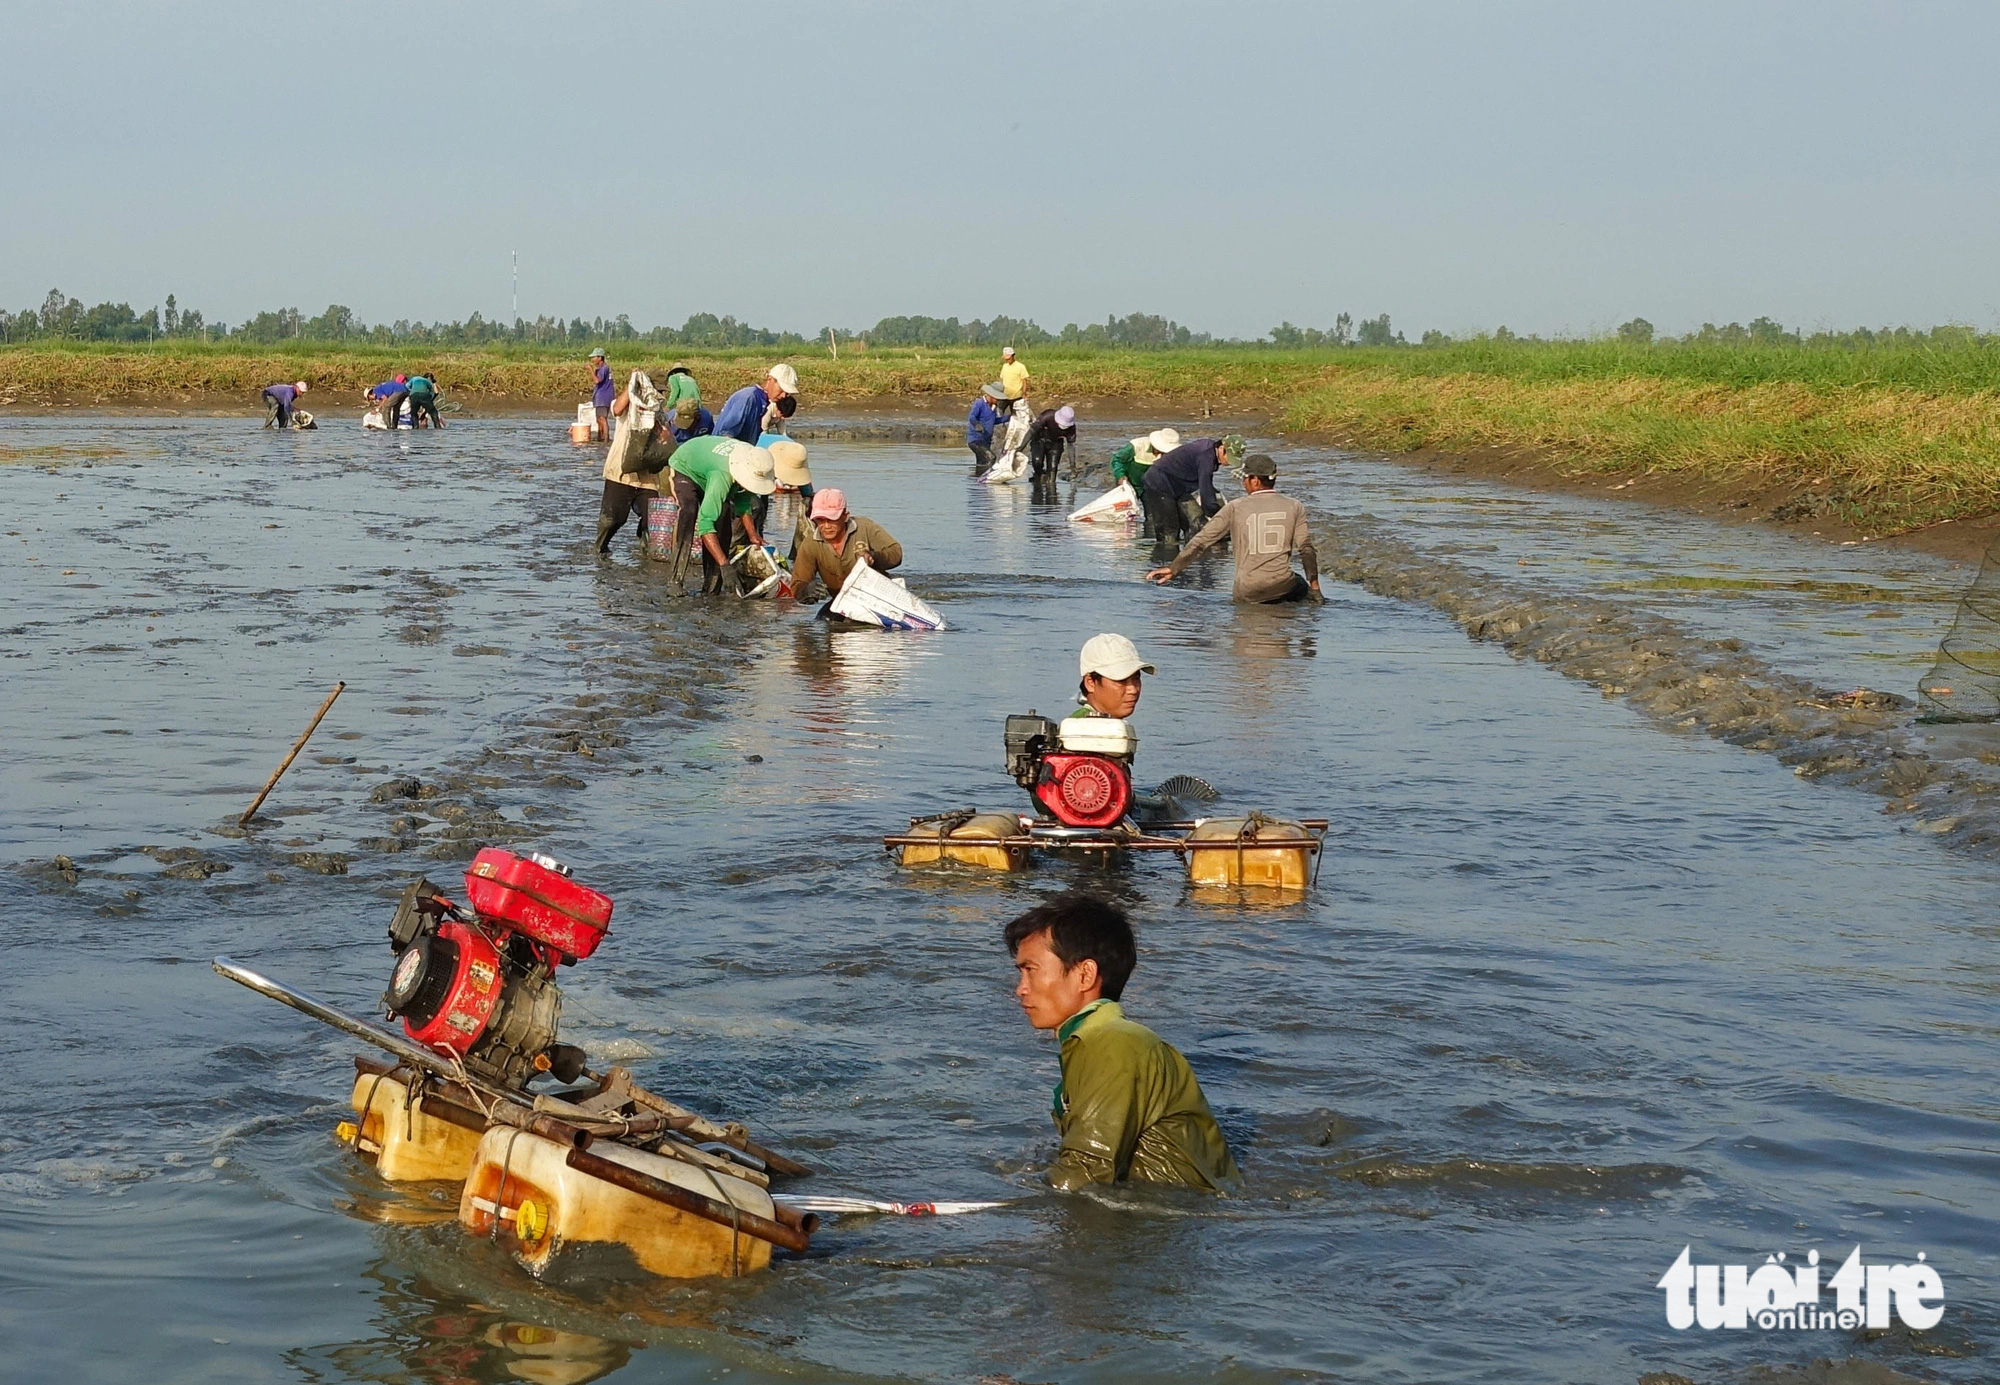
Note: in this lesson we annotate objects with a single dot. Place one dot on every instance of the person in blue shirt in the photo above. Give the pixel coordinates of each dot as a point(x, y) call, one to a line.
point(979, 426)
point(703, 425)
point(389, 395)
point(280, 401)
point(1180, 487)
point(742, 416)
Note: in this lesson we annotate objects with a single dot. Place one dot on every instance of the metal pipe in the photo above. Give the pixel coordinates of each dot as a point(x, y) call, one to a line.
point(794, 1239)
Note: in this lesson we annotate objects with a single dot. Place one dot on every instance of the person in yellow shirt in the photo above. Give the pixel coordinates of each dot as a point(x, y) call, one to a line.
point(1013, 375)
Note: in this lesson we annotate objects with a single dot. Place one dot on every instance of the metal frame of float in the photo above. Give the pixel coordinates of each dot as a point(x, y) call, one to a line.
point(1013, 852)
point(612, 1161)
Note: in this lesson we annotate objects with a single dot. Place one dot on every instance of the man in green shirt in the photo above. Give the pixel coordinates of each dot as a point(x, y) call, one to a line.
point(424, 400)
point(1128, 1107)
point(711, 475)
point(1132, 461)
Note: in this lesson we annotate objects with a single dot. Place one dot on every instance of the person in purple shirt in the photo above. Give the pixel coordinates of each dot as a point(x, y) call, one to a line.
point(1179, 480)
point(279, 401)
point(601, 393)
point(742, 415)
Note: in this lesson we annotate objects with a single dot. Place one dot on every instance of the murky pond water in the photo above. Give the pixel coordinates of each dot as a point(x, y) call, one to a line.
point(1573, 992)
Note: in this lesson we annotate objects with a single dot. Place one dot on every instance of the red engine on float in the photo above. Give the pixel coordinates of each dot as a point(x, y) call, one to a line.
point(479, 984)
point(1079, 770)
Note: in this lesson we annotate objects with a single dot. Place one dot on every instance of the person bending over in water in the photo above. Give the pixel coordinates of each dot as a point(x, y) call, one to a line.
point(1264, 529)
point(1128, 1106)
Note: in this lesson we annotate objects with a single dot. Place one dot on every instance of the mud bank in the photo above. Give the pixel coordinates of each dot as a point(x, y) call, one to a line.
point(1946, 780)
point(1806, 511)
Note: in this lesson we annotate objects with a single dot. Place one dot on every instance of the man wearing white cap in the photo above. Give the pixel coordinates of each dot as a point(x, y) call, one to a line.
point(1111, 669)
point(1013, 375)
point(716, 484)
point(742, 417)
point(280, 402)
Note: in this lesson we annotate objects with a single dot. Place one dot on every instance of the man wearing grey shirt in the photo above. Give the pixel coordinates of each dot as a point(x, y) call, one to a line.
point(1264, 529)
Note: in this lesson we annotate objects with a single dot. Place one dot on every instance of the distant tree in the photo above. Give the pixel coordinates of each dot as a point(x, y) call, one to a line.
point(1433, 337)
point(1504, 333)
point(1343, 331)
point(1375, 331)
point(1638, 331)
point(1765, 332)
point(52, 312)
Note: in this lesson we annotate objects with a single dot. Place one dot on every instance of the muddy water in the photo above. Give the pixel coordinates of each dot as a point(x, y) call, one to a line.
point(1574, 992)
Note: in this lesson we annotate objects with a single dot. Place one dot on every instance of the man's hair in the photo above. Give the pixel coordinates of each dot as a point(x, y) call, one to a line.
point(1082, 925)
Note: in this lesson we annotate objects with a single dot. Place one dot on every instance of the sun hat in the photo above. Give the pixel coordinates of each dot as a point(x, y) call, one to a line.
point(1260, 465)
point(788, 459)
point(299, 385)
point(1065, 416)
point(598, 354)
point(1164, 440)
point(1113, 657)
point(993, 391)
point(787, 378)
point(750, 468)
point(828, 504)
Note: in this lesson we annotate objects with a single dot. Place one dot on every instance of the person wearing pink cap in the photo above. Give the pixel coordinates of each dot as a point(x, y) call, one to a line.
point(837, 542)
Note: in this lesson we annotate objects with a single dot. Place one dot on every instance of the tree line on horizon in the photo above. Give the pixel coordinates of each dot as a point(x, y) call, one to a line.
point(61, 318)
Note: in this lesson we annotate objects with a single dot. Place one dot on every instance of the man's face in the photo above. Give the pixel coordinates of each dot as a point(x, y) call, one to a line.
point(1112, 697)
point(831, 529)
point(1049, 994)
point(773, 391)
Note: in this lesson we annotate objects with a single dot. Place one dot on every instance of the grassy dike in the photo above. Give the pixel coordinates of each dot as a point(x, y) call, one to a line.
point(1887, 439)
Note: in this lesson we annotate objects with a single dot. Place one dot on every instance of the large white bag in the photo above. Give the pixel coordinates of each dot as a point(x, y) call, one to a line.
point(873, 599)
point(1118, 504)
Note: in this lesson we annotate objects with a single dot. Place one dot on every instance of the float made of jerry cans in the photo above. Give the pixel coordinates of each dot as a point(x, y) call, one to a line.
point(535, 896)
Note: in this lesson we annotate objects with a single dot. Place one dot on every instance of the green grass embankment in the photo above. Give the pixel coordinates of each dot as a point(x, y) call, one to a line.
point(1889, 438)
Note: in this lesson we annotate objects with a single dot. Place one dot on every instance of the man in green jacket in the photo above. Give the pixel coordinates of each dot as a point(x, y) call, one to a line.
point(1128, 1106)
point(715, 478)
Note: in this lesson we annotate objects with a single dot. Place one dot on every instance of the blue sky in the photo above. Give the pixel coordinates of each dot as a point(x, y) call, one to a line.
point(1551, 167)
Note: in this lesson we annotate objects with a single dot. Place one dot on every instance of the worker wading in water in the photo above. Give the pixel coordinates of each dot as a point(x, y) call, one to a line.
point(280, 401)
point(836, 543)
point(717, 482)
point(1180, 490)
point(1264, 529)
point(1128, 1107)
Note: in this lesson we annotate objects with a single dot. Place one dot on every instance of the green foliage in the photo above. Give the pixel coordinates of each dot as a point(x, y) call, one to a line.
point(1638, 331)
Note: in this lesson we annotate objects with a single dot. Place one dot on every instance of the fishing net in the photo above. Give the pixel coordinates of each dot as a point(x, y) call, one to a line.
point(1964, 683)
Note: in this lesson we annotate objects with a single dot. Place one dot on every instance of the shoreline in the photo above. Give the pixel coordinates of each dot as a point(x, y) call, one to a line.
point(1786, 507)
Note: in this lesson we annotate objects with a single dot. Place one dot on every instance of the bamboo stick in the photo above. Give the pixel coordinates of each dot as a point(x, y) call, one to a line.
point(297, 746)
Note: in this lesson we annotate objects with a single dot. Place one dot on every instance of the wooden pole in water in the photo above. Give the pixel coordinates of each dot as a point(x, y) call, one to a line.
point(297, 746)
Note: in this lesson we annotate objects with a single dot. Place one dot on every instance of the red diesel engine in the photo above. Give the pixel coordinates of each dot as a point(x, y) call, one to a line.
point(479, 984)
point(1079, 770)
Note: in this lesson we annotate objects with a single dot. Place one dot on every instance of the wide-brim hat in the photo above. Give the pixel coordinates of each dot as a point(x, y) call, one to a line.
point(1065, 416)
point(1164, 440)
point(751, 468)
point(994, 391)
point(788, 460)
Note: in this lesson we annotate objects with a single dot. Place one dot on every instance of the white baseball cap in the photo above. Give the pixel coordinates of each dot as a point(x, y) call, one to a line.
point(1113, 657)
point(1006, 350)
point(787, 378)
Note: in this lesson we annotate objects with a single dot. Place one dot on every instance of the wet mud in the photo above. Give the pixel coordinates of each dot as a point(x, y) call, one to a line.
point(1572, 993)
point(1946, 780)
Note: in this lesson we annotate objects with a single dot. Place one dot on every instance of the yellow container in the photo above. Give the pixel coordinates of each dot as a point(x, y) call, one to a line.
point(405, 1143)
point(523, 1193)
point(972, 843)
point(1234, 859)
